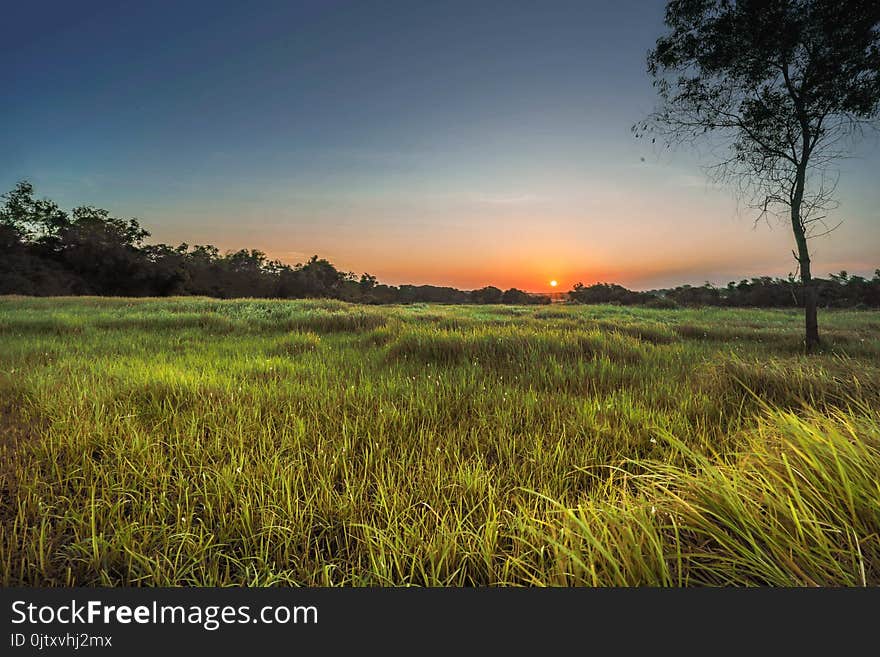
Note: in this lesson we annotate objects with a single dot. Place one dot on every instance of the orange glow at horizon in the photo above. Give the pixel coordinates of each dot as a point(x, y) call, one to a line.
point(667, 236)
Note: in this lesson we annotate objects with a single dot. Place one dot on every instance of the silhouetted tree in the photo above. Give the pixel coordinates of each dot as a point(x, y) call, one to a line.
point(607, 293)
point(167, 272)
point(319, 278)
point(35, 220)
point(516, 297)
point(367, 282)
point(488, 294)
point(103, 250)
point(431, 293)
point(838, 291)
point(382, 294)
point(686, 295)
point(783, 84)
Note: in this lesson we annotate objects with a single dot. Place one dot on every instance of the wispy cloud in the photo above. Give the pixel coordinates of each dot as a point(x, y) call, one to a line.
point(508, 199)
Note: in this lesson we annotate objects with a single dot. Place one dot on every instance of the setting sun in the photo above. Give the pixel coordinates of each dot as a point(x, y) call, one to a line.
point(553, 283)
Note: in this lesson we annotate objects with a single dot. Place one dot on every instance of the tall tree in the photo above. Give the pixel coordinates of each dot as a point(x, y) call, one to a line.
point(783, 87)
point(35, 220)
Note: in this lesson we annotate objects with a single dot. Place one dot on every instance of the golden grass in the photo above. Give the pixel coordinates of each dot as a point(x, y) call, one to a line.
point(199, 442)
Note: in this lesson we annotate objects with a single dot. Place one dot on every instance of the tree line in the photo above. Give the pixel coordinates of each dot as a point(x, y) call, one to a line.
point(840, 290)
point(47, 251)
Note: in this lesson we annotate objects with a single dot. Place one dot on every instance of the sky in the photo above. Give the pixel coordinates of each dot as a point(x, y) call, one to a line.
point(449, 143)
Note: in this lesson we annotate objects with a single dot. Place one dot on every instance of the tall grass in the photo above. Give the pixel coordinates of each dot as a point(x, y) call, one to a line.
point(797, 505)
point(193, 441)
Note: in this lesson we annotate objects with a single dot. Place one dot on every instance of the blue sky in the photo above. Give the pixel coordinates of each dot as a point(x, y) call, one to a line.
point(454, 143)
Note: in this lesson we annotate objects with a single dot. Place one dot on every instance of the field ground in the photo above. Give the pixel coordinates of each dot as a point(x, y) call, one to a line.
point(202, 442)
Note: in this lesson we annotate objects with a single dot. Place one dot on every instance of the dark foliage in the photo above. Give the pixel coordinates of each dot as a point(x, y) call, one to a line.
point(46, 251)
point(837, 291)
point(520, 298)
point(607, 293)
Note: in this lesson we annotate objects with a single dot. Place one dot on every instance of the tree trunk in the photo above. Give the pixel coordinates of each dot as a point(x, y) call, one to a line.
point(811, 300)
point(811, 303)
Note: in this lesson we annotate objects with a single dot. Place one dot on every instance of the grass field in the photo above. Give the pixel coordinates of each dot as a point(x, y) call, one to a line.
point(202, 442)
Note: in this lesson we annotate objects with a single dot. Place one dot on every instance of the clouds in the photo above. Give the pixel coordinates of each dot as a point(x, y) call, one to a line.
point(508, 199)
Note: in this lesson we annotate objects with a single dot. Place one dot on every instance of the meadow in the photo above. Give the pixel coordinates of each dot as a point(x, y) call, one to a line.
point(192, 441)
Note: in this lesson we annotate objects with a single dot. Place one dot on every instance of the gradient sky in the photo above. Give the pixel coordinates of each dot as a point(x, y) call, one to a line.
point(450, 143)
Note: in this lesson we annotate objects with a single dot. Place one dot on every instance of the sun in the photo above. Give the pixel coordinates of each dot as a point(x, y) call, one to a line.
point(553, 283)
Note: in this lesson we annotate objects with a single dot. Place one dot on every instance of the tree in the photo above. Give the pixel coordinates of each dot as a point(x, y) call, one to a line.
point(367, 282)
point(783, 87)
point(489, 294)
point(517, 297)
point(319, 278)
point(607, 293)
point(102, 249)
point(32, 219)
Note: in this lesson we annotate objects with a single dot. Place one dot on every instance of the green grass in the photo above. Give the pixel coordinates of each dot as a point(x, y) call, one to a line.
point(166, 442)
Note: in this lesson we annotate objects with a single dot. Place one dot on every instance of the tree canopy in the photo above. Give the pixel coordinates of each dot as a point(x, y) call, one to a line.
point(778, 89)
